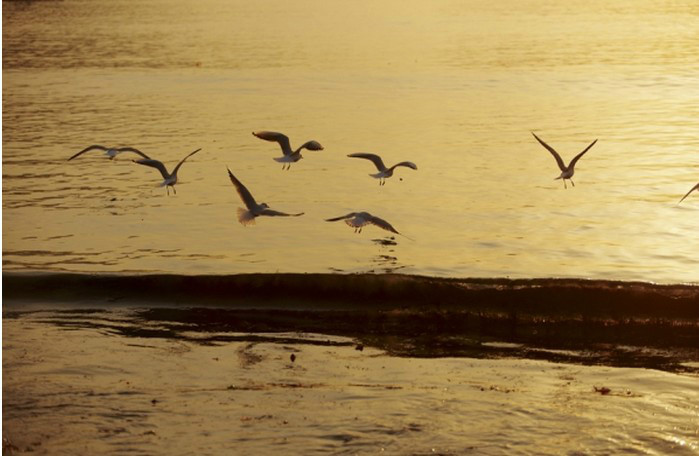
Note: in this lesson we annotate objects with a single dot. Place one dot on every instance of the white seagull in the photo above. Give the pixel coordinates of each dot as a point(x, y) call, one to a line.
point(359, 219)
point(169, 179)
point(110, 152)
point(693, 188)
point(566, 171)
point(383, 171)
point(247, 217)
point(289, 156)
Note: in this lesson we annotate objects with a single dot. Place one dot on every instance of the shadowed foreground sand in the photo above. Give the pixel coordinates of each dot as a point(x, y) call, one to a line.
point(80, 382)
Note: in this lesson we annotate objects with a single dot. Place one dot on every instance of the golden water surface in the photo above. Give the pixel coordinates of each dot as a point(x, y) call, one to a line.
point(454, 86)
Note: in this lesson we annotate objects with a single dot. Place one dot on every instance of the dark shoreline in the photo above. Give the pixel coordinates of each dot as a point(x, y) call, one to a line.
point(547, 296)
point(632, 324)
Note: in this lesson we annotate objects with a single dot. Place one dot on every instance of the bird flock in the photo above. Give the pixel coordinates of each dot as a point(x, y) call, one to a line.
point(355, 220)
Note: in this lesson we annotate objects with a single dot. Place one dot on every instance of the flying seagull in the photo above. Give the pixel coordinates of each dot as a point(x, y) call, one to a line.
point(289, 156)
point(693, 188)
point(110, 152)
point(566, 171)
point(169, 179)
point(383, 171)
point(247, 217)
point(359, 219)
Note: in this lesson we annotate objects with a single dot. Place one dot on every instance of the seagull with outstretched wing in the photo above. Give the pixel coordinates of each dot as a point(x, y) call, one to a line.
point(169, 179)
point(566, 171)
point(290, 156)
point(110, 152)
point(247, 217)
point(357, 220)
point(383, 171)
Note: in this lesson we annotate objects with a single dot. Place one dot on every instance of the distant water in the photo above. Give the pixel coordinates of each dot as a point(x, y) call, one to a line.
point(455, 87)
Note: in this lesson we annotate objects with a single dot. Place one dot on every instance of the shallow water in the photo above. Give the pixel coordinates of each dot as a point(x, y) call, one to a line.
point(455, 87)
point(95, 381)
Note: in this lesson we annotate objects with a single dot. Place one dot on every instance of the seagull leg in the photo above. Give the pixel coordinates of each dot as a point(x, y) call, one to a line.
point(173, 189)
point(571, 181)
point(167, 189)
point(564, 183)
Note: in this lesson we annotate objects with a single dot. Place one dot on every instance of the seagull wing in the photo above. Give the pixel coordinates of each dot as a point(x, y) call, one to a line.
point(280, 138)
point(406, 164)
point(102, 148)
point(244, 193)
point(558, 158)
point(174, 171)
point(693, 188)
point(373, 157)
point(577, 157)
point(381, 223)
point(157, 164)
point(274, 213)
point(131, 149)
point(312, 145)
point(342, 217)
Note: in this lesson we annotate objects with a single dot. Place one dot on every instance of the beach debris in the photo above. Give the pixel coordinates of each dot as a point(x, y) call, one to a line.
point(8, 447)
point(602, 390)
point(292, 357)
point(359, 347)
point(154, 401)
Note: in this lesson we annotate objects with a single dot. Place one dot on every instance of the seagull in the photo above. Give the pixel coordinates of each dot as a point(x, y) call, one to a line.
point(110, 152)
point(358, 219)
point(566, 171)
point(170, 179)
point(383, 171)
point(693, 188)
point(289, 156)
point(247, 217)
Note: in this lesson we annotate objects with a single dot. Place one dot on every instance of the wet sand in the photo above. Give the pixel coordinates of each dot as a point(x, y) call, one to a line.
point(87, 382)
point(333, 364)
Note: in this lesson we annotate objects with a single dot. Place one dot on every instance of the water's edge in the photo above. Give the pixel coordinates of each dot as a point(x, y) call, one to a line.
point(583, 321)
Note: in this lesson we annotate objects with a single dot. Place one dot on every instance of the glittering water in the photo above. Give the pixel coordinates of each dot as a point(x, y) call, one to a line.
point(455, 87)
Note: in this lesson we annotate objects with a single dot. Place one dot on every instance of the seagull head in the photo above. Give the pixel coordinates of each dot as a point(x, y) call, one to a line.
point(264, 206)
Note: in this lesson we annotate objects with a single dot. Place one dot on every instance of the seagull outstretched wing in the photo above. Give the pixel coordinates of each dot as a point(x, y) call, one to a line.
point(244, 193)
point(693, 188)
point(375, 159)
point(555, 154)
point(277, 137)
point(157, 164)
point(577, 157)
point(174, 171)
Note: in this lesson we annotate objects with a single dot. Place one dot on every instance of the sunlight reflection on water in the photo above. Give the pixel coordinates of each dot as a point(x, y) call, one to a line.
point(454, 87)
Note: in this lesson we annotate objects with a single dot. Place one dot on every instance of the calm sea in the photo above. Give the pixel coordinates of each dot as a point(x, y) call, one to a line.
point(454, 86)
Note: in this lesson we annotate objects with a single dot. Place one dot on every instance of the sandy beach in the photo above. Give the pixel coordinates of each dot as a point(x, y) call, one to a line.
point(104, 377)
